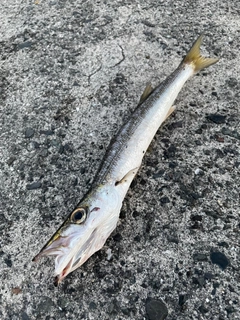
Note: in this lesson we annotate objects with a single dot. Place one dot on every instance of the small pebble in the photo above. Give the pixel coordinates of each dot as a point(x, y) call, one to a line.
point(109, 254)
point(164, 200)
point(34, 185)
point(208, 276)
point(203, 309)
point(26, 44)
point(219, 138)
point(11, 160)
point(182, 299)
point(29, 133)
point(47, 132)
point(199, 281)
point(216, 118)
point(200, 257)
point(44, 152)
point(16, 290)
point(8, 261)
point(156, 309)
point(24, 316)
point(62, 303)
point(92, 305)
point(220, 259)
point(44, 306)
point(198, 171)
point(231, 133)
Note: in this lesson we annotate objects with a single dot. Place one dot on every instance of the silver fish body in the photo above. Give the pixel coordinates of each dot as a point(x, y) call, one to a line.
point(95, 217)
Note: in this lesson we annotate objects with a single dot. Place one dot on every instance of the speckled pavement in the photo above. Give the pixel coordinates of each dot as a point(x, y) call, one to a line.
point(71, 72)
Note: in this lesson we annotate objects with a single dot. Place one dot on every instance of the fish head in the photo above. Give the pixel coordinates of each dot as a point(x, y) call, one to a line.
point(84, 231)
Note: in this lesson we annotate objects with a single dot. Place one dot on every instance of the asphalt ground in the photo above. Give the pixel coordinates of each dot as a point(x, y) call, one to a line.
point(71, 72)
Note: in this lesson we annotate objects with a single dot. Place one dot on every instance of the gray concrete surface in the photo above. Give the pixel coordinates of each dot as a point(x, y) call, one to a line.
point(70, 73)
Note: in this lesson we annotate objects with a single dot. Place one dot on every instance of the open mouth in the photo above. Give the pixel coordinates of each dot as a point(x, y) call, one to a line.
point(58, 278)
point(71, 252)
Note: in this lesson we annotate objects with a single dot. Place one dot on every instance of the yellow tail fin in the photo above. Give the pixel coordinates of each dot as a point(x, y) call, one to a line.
point(195, 59)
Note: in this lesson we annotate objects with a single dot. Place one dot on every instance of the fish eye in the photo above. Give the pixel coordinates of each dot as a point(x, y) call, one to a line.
point(79, 215)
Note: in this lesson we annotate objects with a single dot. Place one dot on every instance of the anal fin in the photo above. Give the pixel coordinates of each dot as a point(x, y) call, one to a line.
point(170, 111)
point(146, 93)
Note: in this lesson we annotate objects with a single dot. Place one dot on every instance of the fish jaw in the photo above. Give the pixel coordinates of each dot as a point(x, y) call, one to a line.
point(74, 243)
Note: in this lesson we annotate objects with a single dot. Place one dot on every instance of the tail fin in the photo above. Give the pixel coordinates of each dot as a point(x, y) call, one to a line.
point(195, 59)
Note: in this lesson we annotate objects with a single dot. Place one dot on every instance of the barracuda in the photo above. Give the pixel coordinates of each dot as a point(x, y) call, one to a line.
point(86, 229)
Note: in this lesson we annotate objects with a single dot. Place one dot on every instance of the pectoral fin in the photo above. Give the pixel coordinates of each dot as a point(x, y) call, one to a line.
point(127, 176)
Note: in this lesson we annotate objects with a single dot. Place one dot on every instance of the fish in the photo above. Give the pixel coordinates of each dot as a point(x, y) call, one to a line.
point(88, 226)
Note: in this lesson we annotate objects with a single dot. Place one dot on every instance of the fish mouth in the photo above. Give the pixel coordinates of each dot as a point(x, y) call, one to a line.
point(71, 252)
point(78, 257)
point(59, 277)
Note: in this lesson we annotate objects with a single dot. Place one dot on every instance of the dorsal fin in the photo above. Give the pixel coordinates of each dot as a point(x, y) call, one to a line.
point(146, 93)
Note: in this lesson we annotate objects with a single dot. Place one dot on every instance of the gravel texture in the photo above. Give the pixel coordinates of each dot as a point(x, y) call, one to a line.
point(71, 72)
